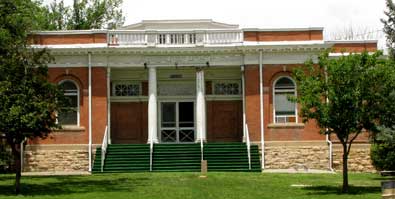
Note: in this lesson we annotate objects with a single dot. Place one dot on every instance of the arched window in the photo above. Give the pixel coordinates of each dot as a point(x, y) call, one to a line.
point(284, 110)
point(71, 115)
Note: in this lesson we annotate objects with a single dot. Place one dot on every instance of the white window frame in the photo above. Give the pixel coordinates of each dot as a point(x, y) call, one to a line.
point(78, 99)
point(274, 101)
point(115, 83)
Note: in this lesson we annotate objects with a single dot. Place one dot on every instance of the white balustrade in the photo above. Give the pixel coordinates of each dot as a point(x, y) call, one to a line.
point(150, 38)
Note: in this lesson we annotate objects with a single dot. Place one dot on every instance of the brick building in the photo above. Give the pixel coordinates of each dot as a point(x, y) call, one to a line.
point(194, 88)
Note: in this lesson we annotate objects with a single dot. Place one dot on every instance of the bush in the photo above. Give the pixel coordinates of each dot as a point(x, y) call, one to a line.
point(383, 150)
point(6, 161)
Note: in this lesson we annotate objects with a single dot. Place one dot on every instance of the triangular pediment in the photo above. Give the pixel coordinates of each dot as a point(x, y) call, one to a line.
point(194, 24)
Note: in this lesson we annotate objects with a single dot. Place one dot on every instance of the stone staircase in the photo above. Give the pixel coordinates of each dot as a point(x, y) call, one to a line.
point(177, 157)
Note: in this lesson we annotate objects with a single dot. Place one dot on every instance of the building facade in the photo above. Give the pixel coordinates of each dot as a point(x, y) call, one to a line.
point(186, 81)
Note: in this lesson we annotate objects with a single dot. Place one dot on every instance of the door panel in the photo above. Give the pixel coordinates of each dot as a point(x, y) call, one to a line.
point(224, 121)
point(128, 122)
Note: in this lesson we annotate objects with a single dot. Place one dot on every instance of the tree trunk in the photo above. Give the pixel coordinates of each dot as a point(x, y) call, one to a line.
point(17, 158)
point(345, 168)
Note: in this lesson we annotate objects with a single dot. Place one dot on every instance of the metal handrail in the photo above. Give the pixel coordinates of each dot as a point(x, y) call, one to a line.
point(248, 147)
point(104, 148)
point(151, 154)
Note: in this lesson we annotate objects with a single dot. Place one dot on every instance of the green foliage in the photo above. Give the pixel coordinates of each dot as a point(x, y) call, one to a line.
point(358, 88)
point(82, 15)
point(389, 27)
point(383, 149)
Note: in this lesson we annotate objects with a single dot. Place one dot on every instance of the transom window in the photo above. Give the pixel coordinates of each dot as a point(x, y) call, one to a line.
point(126, 89)
point(70, 115)
point(284, 110)
point(227, 88)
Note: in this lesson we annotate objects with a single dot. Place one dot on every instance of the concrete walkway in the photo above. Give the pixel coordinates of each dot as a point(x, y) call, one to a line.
point(297, 171)
point(56, 173)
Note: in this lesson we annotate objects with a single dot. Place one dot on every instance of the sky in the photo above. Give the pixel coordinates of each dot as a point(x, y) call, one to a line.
point(333, 15)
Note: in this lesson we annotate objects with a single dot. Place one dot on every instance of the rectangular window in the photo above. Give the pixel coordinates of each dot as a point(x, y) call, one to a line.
point(285, 109)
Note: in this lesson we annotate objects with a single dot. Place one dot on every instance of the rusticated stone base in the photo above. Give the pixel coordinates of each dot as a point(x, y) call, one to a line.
point(358, 159)
point(52, 158)
point(296, 155)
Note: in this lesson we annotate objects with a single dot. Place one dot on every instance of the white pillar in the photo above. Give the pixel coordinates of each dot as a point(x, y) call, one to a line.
point(200, 106)
point(152, 106)
point(109, 104)
point(244, 102)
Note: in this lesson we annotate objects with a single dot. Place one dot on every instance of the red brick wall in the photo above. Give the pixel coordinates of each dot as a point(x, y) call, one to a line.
point(69, 39)
point(99, 105)
point(283, 35)
point(354, 47)
point(285, 133)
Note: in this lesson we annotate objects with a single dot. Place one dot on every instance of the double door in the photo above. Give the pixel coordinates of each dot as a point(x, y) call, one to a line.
point(177, 122)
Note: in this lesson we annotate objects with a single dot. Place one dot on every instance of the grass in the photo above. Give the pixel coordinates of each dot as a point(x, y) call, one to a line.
point(189, 185)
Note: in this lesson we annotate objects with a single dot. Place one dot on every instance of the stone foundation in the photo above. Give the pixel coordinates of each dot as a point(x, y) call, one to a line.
point(358, 159)
point(314, 155)
point(296, 155)
point(53, 158)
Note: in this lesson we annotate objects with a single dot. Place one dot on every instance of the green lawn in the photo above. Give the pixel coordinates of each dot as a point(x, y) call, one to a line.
point(189, 185)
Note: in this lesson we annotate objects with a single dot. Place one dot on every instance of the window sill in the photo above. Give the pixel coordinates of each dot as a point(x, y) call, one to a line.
point(285, 125)
point(70, 128)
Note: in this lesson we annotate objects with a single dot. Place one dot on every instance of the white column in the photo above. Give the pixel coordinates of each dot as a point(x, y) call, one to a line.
point(200, 106)
point(244, 102)
point(152, 106)
point(109, 104)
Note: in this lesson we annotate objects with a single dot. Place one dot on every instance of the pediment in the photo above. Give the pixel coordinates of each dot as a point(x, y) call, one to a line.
point(197, 24)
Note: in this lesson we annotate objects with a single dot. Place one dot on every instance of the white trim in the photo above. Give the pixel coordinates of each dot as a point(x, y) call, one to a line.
point(129, 98)
point(224, 97)
point(290, 90)
point(361, 41)
point(281, 29)
point(108, 78)
point(90, 108)
point(262, 109)
point(70, 32)
point(78, 97)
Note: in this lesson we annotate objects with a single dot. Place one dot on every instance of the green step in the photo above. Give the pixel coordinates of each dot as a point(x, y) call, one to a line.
point(177, 157)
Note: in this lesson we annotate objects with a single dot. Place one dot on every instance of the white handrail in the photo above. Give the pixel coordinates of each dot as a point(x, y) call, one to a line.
point(150, 154)
point(201, 148)
point(104, 148)
point(248, 147)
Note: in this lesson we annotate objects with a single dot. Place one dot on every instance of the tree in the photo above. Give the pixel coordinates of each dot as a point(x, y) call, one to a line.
point(345, 96)
point(83, 14)
point(28, 102)
point(389, 27)
point(352, 32)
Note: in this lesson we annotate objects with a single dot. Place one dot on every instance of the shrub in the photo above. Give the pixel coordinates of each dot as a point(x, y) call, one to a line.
point(383, 150)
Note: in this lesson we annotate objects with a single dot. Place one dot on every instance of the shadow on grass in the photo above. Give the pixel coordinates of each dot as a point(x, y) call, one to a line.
point(65, 185)
point(353, 190)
